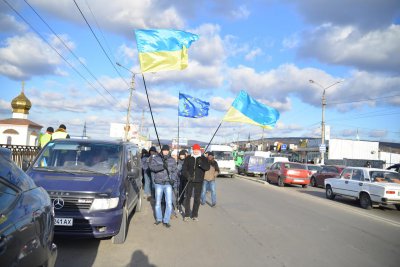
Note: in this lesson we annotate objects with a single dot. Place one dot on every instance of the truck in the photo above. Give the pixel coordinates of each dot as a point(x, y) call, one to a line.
point(223, 154)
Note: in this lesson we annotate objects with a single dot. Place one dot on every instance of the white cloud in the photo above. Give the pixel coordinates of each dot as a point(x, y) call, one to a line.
point(277, 85)
point(8, 24)
point(253, 53)
point(365, 14)
point(374, 50)
point(126, 15)
point(5, 107)
point(27, 55)
point(221, 104)
point(378, 133)
point(242, 12)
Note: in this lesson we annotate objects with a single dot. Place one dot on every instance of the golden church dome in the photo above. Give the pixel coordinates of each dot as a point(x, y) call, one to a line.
point(21, 104)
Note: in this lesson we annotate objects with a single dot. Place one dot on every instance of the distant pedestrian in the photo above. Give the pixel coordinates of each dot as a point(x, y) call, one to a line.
point(46, 137)
point(181, 178)
point(209, 181)
point(61, 133)
point(367, 164)
point(146, 173)
point(193, 170)
point(164, 170)
point(153, 153)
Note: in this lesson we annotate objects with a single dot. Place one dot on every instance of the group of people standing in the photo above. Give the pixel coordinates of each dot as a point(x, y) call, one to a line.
point(50, 134)
point(178, 180)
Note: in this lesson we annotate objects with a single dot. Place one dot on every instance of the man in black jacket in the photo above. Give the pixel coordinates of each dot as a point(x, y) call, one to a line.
point(193, 170)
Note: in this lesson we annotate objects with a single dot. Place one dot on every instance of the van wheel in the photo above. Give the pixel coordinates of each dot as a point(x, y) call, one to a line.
point(138, 207)
point(365, 201)
point(280, 182)
point(304, 185)
point(121, 236)
point(329, 193)
point(397, 206)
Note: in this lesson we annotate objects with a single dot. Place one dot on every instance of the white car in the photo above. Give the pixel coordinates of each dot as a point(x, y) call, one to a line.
point(370, 186)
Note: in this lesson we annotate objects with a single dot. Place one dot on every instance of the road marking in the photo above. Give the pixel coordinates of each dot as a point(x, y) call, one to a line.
point(325, 201)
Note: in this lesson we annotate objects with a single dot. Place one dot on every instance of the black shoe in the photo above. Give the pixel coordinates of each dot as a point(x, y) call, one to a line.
point(157, 222)
point(213, 205)
point(167, 225)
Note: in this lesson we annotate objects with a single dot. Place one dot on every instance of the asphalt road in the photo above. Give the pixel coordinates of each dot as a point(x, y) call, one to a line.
point(253, 224)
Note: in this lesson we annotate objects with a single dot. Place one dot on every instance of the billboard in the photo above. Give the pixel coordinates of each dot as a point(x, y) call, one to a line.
point(117, 130)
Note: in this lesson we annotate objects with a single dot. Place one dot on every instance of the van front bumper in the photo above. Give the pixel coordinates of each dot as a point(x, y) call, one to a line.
point(97, 224)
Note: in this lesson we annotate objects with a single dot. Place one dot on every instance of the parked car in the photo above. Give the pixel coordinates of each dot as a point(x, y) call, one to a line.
point(327, 171)
point(395, 167)
point(253, 165)
point(369, 185)
point(288, 173)
point(26, 218)
point(94, 185)
point(313, 168)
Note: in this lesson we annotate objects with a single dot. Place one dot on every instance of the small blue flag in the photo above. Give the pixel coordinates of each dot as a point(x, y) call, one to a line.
point(192, 107)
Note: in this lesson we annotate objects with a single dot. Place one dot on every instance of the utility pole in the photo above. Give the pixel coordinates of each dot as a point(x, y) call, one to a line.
point(323, 116)
point(127, 126)
point(84, 131)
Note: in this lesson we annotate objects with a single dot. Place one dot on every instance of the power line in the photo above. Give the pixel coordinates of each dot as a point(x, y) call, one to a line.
point(361, 100)
point(69, 49)
point(55, 50)
point(101, 46)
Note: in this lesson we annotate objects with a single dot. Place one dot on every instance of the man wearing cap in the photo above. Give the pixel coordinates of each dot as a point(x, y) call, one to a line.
point(61, 133)
point(193, 170)
point(153, 153)
point(165, 172)
point(46, 137)
point(209, 181)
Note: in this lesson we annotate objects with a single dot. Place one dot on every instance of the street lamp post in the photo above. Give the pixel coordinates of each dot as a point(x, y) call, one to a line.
point(323, 115)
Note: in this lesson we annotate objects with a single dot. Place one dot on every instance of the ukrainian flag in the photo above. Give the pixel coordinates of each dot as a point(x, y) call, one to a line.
point(245, 109)
point(162, 49)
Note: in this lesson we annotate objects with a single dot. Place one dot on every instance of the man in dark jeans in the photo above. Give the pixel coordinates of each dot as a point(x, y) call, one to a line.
point(193, 170)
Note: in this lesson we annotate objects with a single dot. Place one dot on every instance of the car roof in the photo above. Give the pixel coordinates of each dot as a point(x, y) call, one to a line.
point(368, 169)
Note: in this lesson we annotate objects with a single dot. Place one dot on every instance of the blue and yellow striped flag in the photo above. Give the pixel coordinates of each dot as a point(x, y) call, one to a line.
point(248, 110)
point(162, 49)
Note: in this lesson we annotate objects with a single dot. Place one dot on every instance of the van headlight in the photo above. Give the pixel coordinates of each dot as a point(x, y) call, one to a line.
point(104, 203)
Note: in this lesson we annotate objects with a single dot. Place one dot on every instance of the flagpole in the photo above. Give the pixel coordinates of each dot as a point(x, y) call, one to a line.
point(213, 136)
point(151, 112)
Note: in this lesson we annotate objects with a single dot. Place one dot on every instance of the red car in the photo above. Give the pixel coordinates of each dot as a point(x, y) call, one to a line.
point(288, 173)
point(327, 171)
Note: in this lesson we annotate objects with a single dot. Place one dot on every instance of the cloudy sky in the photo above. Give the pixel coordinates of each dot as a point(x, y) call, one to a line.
point(269, 48)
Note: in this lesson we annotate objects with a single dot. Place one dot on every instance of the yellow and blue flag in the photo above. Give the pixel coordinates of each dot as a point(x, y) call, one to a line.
point(192, 107)
point(163, 49)
point(245, 109)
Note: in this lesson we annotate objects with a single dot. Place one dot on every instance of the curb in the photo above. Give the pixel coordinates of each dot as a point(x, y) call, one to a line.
point(250, 179)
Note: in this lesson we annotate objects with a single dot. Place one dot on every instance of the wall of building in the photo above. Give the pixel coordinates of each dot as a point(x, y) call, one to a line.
point(390, 158)
point(17, 139)
point(353, 149)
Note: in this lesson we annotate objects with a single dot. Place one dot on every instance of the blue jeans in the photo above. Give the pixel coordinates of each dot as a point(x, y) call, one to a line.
point(167, 190)
point(208, 185)
point(147, 183)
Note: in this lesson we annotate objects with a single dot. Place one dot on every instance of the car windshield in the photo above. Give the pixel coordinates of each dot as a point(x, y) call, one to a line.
point(314, 167)
point(385, 176)
point(223, 155)
point(256, 160)
point(295, 166)
point(80, 157)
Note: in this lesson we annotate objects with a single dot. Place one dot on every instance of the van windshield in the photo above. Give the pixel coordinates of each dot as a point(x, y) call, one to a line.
point(223, 155)
point(256, 160)
point(80, 157)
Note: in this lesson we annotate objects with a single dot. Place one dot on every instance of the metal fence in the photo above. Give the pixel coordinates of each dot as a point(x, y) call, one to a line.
point(22, 153)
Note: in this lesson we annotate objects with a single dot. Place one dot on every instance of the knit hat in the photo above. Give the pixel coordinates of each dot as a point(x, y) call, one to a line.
point(196, 147)
point(182, 152)
point(153, 148)
point(210, 153)
point(165, 147)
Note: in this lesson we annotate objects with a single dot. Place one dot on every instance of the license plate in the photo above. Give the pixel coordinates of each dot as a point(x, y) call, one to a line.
point(298, 180)
point(63, 221)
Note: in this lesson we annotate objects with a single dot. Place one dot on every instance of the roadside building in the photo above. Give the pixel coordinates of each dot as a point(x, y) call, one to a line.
point(19, 130)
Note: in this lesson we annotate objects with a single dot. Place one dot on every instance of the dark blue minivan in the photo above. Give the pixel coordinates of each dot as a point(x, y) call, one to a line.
point(94, 185)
